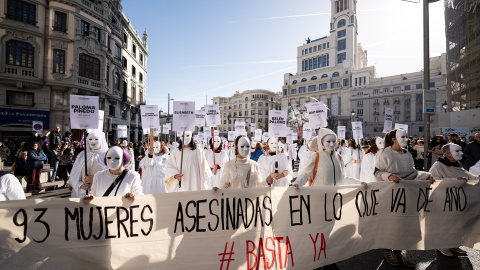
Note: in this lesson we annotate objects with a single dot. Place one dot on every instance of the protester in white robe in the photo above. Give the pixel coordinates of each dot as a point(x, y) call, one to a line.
point(281, 175)
point(221, 158)
point(97, 147)
point(231, 153)
point(292, 152)
point(312, 148)
point(195, 170)
point(10, 187)
point(153, 169)
point(367, 169)
point(241, 172)
point(475, 169)
point(116, 180)
point(352, 160)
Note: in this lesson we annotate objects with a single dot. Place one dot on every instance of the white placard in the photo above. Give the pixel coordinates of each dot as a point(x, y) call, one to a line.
point(258, 135)
point(335, 109)
point(253, 127)
point(239, 125)
point(37, 126)
point(101, 115)
point(156, 130)
point(212, 113)
point(308, 130)
point(357, 130)
point(341, 132)
point(216, 132)
point(149, 116)
point(265, 137)
point(317, 113)
point(402, 126)
point(199, 137)
point(231, 136)
point(166, 128)
point(277, 123)
point(199, 118)
point(83, 112)
point(183, 116)
point(387, 122)
point(122, 131)
point(207, 135)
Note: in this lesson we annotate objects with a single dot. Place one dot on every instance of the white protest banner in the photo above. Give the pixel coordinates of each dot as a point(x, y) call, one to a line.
point(284, 225)
point(122, 131)
point(308, 130)
point(166, 128)
point(37, 126)
point(461, 131)
point(265, 137)
point(402, 126)
point(357, 130)
point(317, 114)
point(183, 116)
point(101, 115)
point(387, 122)
point(277, 123)
point(258, 135)
point(199, 118)
point(213, 115)
point(341, 132)
point(149, 116)
point(83, 112)
point(253, 127)
point(231, 136)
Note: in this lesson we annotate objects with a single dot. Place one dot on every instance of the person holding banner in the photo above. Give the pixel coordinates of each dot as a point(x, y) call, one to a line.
point(195, 170)
point(116, 180)
point(275, 166)
point(97, 147)
point(241, 172)
point(10, 187)
point(153, 169)
point(368, 163)
point(394, 163)
point(217, 156)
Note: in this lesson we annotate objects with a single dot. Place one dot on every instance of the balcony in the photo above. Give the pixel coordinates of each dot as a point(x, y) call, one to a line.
point(396, 112)
point(376, 104)
point(386, 103)
point(359, 105)
point(396, 102)
point(88, 82)
point(19, 71)
point(376, 113)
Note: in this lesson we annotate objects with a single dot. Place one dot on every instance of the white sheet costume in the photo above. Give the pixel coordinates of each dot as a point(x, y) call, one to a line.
point(221, 158)
point(330, 168)
point(367, 168)
point(195, 168)
point(10, 188)
point(475, 169)
point(352, 169)
point(97, 147)
point(266, 162)
point(153, 171)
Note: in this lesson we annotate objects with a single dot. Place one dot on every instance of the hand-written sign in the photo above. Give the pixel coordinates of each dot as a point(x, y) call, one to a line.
point(83, 112)
point(277, 123)
point(308, 130)
point(231, 136)
point(122, 131)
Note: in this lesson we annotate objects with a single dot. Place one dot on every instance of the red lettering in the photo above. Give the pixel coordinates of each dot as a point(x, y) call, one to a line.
point(279, 251)
point(251, 252)
point(323, 247)
point(288, 250)
point(314, 246)
point(272, 250)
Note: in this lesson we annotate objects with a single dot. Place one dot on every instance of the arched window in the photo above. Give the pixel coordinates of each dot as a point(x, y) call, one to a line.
point(246, 99)
point(313, 78)
point(304, 80)
point(341, 23)
point(294, 82)
point(335, 74)
point(89, 67)
point(20, 54)
point(324, 76)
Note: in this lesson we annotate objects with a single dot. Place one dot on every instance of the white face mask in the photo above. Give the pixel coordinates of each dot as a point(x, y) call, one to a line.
point(456, 152)
point(217, 142)
point(379, 142)
point(280, 147)
point(114, 158)
point(188, 137)
point(156, 147)
point(401, 137)
point(93, 141)
point(243, 147)
point(272, 144)
point(329, 142)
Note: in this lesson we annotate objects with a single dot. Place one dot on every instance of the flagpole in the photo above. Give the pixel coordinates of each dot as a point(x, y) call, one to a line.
point(181, 157)
point(213, 148)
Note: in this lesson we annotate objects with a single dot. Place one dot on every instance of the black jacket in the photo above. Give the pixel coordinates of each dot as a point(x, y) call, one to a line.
point(472, 153)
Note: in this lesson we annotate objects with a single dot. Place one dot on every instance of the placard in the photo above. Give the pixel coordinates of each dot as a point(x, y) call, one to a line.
point(239, 125)
point(83, 112)
point(317, 114)
point(149, 116)
point(341, 132)
point(265, 137)
point(212, 115)
point(253, 127)
point(183, 116)
point(277, 123)
point(216, 132)
point(357, 130)
point(101, 116)
point(231, 136)
point(199, 118)
point(166, 128)
point(122, 131)
point(402, 126)
point(308, 130)
point(387, 122)
point(258, 135)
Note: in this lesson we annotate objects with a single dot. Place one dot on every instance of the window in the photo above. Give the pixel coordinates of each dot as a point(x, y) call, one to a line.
point(85, 26)
point(111, 110)
point(260, 112)
point(359, 94)
point(239, 113)
point(341, 23)
point(124, 63)
point(60, 22)
point(240, 106)
point(359, 111)
point(141, 77)
point(342, 45)
point(260, 120)
point(301, 90)
point(407, 87)
point(116, 80)
point(21, 11)
point(304, 80)
point(319, 47)
point(315, 49)
point(246, 113)
point(59, 64)
point(386, 90)
point(342, 33)
point(294, 82)
point(260, 104)
point(312, 88)
point(432, 84)
point(418, 86)
point(324, 46)
point(335, 85)
point(356, 81)
point(313, 78)
point(360, 103)
point(310, 50)
point(309, 64)
point(314, 63)
point(246, 106)
point(134, 71)
point(19, 98)
point(294, 91)
point(20, 54)
point(96, 33)
point(253, 112)
point(134, 50)
point(341, 5)
point(234, 107)
point(134, 92)
point(89, 67)
point(376, 91)
point(341, 57)
point(246, 98)
point(118, 51)
point(125, 38)
point(303, 65)
point(108, 74)
point(322, 86)
point(141, 59)
point(345, 82)
point(324, 76)
point(335, 74)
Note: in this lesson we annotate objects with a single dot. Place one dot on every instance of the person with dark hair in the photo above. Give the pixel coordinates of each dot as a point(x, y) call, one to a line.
point(420, 160)
point(116, 180)
point(221, 158)
point(65, 162)
point(436, 147)
point(352, 160)
point(194, 168)
point(35, 160)
point(255, 155)
point(68, 138)
point(20, 170)
point(395, 164)
point(4, 152)
point(456, 140)
point(54, 138)
point(54, 161)
point(472, 152)
point(368, 163)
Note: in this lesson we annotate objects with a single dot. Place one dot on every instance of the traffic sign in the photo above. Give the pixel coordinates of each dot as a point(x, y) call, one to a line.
point(429, 101)
point(37, 126)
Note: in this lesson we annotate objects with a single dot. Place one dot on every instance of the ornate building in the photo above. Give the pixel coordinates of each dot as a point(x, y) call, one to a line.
point(52, 49)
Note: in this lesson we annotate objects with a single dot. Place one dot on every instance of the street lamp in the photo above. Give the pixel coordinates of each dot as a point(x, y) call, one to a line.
point(444, 105)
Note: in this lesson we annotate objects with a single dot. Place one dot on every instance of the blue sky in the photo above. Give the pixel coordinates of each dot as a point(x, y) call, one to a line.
point(214, 48)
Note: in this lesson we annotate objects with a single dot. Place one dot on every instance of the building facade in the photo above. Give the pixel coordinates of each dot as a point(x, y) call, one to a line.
point(250, 106)
point(53, 49)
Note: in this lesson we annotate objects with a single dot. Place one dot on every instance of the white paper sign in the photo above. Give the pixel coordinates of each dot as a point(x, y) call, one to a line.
point(402, 126)
point(265, 137)
point(357, 130)
point(341, 132)
point(166, 128)
point(317, 113)
point(212, 115)
point(206, 135)
point(258, 135)
point(308, 130)
point(199, 118)
point(149, 115)
point(253, 127)
point(387, 123)
point(83, 112)
point(277, 123)
point(195, 138)
point(101, 115)
point(183, 116)
point(239, 125)
point(156, 130)
point(231, 136)
point(122, 131)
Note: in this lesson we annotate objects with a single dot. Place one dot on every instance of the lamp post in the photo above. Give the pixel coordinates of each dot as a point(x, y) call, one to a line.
point(353, 116)
point(444, 105)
